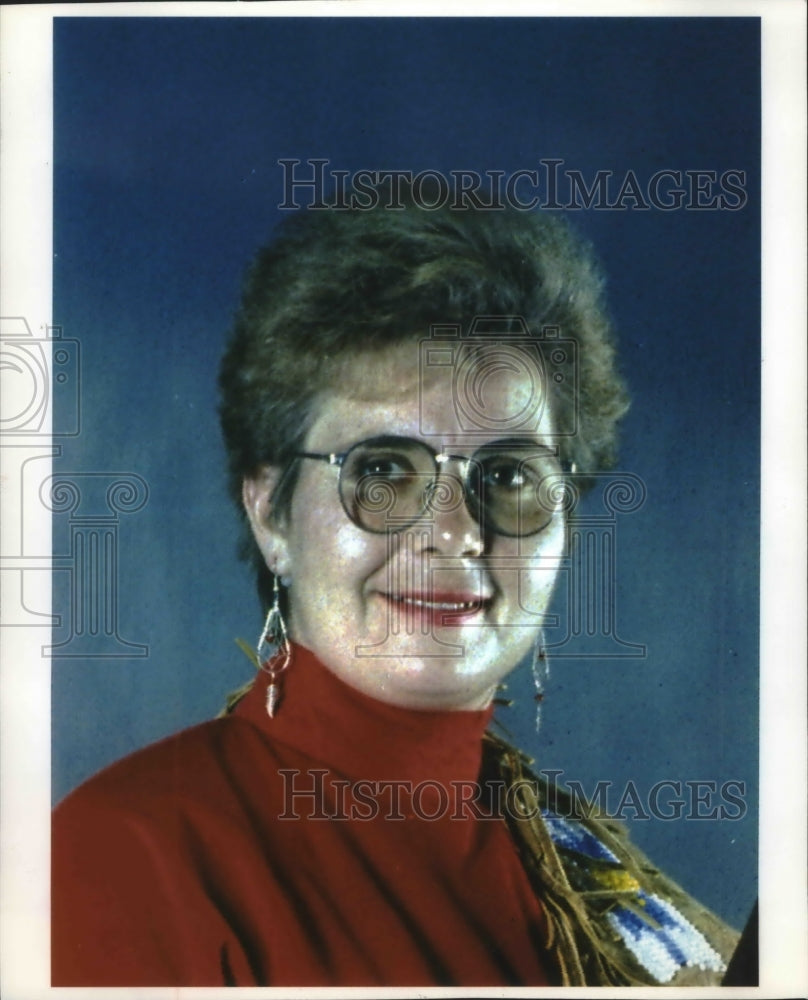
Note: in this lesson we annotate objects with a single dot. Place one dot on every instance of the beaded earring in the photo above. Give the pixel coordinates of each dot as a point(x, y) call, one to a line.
point(541, 672)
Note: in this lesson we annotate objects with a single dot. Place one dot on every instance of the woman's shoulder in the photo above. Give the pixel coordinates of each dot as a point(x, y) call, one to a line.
point(193, 763)
point(135, 849)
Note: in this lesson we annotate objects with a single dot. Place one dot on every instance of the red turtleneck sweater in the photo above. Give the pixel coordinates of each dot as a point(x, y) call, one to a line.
point(184, 864)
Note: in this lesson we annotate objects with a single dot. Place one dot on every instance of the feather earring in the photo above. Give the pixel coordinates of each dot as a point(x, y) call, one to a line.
point(274, 651)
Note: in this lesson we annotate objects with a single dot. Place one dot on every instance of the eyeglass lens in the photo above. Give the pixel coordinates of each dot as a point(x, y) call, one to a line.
point(387, 484)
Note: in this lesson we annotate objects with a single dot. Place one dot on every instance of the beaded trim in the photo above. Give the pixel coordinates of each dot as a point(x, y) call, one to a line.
point(661, 939)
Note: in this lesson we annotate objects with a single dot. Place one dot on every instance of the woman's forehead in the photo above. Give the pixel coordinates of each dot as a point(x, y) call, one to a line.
point(380, 375)
point(404, 391)
point(419, 365)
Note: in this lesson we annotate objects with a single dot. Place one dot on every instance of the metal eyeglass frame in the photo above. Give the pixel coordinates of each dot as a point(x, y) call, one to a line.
point(474, 503)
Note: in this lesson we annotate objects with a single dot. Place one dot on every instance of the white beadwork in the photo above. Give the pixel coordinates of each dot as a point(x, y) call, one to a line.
point(656, 949)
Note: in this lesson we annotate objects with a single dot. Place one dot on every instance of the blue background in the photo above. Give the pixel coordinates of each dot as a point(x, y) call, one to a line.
point(167, 136)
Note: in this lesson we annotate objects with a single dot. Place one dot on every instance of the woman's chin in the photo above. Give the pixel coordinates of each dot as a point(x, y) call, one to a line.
point(425, 675)
point(433, 693)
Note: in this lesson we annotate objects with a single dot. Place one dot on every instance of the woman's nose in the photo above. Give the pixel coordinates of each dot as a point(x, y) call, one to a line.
point(455, 531)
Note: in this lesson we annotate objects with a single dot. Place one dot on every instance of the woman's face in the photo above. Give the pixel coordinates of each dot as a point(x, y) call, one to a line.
point(431, 617)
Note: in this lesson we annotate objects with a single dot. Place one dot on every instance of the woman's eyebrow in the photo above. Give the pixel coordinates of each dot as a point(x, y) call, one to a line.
point(528, 443)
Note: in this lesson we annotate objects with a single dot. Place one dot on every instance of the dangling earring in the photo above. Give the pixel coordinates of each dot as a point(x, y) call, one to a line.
point(541, 672)
point(274, 652)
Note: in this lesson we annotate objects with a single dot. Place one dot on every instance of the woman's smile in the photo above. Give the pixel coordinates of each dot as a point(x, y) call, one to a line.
point(437, 610)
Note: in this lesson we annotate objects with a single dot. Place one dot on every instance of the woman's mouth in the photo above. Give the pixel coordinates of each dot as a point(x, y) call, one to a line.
point(438, 608)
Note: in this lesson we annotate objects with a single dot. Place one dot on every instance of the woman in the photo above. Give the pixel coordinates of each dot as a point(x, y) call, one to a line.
point(407, 399)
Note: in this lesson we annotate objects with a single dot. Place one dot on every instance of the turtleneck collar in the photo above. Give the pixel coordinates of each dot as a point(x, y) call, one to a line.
point(360, 737)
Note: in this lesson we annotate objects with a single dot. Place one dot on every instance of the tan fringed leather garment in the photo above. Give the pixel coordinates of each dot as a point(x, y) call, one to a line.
point(614, 919)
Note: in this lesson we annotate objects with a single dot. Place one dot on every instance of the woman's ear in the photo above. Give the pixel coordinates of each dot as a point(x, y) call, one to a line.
point(267, 528)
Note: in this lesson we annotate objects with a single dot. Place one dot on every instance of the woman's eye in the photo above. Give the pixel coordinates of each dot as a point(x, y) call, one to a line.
point(510, 476)
point(384, 466)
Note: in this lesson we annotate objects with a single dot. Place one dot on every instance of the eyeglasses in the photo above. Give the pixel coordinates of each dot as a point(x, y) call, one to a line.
point(511, 487)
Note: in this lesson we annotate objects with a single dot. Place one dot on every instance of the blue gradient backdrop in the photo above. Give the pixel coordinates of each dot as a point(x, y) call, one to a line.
point(167, 136)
